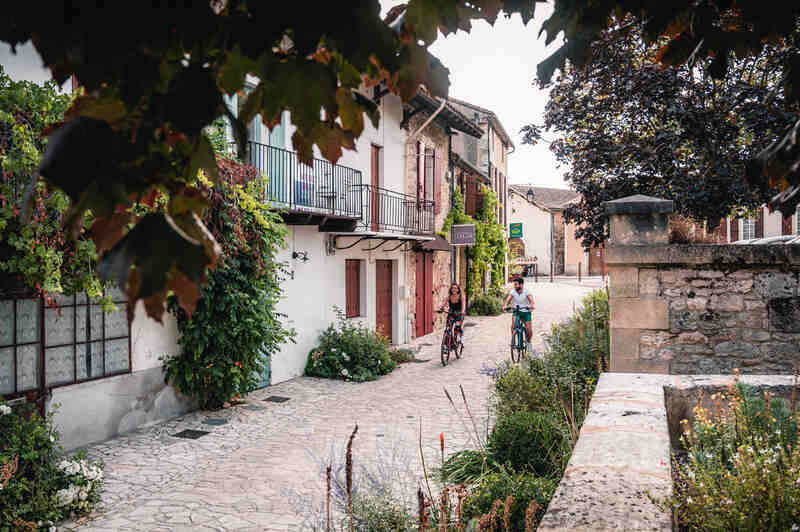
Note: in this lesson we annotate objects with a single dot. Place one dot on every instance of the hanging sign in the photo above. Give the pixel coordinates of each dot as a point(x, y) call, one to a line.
point(463, 235)
point(515, 230)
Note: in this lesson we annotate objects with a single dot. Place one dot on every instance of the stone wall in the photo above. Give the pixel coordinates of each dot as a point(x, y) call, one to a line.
point(690, 309)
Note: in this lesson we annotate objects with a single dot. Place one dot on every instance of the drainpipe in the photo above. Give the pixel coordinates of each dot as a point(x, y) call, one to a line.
point(552, 246)
point(452, 175)
point(428, 121)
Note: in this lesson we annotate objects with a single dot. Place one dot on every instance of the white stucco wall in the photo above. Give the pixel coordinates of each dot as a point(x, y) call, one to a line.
point(314, 287)
point(151, 340)
point(535, 230)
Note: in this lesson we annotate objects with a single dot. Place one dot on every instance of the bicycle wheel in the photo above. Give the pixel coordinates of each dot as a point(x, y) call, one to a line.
point(445, 355)
point(516, 349)
point(459, 349)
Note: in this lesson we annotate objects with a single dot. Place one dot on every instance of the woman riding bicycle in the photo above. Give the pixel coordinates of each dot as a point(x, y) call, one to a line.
point(457, 305)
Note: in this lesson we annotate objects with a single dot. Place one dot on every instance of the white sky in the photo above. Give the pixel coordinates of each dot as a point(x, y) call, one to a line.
point(495, 67)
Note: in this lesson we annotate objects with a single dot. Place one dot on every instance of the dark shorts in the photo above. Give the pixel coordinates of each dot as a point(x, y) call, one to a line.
point(524, 316)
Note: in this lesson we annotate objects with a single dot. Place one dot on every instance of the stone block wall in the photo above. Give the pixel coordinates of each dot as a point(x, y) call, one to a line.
point(698, 308)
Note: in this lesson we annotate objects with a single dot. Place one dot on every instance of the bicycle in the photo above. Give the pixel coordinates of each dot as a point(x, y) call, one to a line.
point(451, 342)
point(519, 344)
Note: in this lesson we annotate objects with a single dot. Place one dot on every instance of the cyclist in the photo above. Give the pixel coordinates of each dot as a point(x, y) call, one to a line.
point(456, 305)
point(524, 300)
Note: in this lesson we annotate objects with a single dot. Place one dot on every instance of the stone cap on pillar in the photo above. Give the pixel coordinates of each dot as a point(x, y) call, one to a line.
point(638, 220)
point(639, 204)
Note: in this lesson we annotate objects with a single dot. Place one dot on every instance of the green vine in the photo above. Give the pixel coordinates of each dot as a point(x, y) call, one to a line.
point(489, 252)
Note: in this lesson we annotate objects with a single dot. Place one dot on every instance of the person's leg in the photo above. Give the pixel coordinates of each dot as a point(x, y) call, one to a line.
point(529, 330)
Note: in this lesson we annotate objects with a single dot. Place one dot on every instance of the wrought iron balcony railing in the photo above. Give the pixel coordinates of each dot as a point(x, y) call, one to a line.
point(321, 187)
point(387, 211)
point(336, 190)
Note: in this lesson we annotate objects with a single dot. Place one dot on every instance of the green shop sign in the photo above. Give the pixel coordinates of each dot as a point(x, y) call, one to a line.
point(515, 230)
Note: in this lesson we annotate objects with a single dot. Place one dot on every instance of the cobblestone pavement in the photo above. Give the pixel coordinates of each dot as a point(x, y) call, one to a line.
point(260, 470)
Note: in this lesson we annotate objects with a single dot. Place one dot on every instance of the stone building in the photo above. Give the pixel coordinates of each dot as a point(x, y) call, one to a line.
point(488, 157)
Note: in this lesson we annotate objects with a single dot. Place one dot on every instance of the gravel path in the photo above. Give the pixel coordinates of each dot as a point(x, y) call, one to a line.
point(261, 470)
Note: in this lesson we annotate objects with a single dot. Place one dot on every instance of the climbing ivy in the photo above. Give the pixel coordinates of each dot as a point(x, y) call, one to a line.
point(489, 252)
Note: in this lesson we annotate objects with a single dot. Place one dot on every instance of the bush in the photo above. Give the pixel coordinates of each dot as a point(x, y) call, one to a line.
point(380, 513)
point(350, 351)
point(536, 442)
point(465, 467)
point(498, 485)
point(401, 355)
point(741, 470)
point(485, 305)
point(519, 390)
point(38, 484)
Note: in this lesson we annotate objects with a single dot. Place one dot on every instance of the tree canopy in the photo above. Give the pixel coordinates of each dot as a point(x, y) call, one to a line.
point(625, 126)
point(154, 74)
point(688, 31)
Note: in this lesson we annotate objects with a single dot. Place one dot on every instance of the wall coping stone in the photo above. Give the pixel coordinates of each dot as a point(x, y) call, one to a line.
point(710, 255)
point(623, 454)
point(639, 204)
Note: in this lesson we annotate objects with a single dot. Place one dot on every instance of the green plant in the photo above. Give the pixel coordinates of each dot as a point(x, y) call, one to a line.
point(348, 350)
point(519, 390)
point(38, 484)
point(380, 513)
point(228, 339)
point(466, 466)
point(485, 305)
point(497, 486)
point(536, 442)
point(741, 470)
point(401, 355)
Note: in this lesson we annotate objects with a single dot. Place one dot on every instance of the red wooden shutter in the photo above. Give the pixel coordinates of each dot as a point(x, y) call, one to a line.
point(760, 224)
point(352, 288)
point(723, 231)
point(437, 182)
point(786, 225)
point(734, 229)
point(420, 171)
point(429, 165)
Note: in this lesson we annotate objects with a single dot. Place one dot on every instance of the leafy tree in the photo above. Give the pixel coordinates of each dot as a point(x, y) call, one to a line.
point(626, 126)
point(155, 75)
point(687, 31)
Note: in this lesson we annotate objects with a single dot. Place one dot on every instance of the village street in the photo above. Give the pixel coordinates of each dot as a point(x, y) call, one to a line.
point(263, 469)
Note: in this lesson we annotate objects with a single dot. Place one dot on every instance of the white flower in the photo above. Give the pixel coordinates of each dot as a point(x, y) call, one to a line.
point(689, 500)
point(345, 373)
point(346, 357)
point(5, 410)
point(52, 439)
point(66, 496)
point(795, 528)
point(83, 494)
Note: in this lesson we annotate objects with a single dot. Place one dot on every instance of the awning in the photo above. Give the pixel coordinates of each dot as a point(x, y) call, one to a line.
point(439, 243)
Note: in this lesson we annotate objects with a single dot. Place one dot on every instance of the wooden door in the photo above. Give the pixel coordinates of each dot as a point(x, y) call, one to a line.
point(375, 182)
point(383, 295)
point(424, 294)
point(597, 257)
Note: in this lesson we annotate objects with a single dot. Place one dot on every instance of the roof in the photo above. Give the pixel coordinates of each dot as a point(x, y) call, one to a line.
point(546, 197)
point(439, 243)
point(468, 166)
point(449, 115)
point(491, 116)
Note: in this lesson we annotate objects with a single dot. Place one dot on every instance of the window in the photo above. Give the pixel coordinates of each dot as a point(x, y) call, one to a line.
point(352, 288)
point(430, 161)
point(748, 229)
point(43, 347)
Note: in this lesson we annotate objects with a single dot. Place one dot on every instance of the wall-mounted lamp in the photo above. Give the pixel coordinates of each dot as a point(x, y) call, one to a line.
point(530, 195)
point(302, 256)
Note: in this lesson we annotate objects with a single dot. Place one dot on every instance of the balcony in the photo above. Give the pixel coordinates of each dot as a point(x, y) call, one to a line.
point(387, 211)
point(333, 197)
point(322, 193)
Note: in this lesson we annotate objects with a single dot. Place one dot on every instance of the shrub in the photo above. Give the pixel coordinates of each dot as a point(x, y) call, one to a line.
point(401, 355)
point(537, 442)
point(380, 513)
point(498, 485)
point(519, 390)
point(350, 351)
point(485, 305)
point(741, 470)
point(465, 467)
point(38, 484)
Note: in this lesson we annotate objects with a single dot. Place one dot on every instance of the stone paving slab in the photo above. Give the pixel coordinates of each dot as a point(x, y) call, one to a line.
point(262, 468)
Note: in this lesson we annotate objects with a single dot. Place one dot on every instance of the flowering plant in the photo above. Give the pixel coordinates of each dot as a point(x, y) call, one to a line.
point(350, 351)
point(39, 486)
point(741, 467)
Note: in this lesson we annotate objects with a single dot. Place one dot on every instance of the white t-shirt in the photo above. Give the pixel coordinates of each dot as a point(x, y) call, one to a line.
point(521, 298)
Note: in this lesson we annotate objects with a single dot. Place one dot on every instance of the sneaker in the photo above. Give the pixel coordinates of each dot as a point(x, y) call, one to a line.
point(529, 347)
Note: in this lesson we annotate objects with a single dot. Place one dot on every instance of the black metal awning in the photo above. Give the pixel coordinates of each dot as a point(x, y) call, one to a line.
point(439, 243)
point(375, 240)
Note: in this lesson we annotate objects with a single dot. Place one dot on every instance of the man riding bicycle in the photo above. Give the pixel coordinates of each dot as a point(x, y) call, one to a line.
point(524, 300)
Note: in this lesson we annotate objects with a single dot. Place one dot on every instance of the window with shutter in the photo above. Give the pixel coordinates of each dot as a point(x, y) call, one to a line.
point(748, 229)
point(437, 183)
point(430, 158)
point(723, 231)
point(734, 229)
point(352, 288)
point(786, 225)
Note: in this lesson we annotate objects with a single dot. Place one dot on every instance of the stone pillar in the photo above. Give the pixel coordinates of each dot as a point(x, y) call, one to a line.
point(636, 221)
